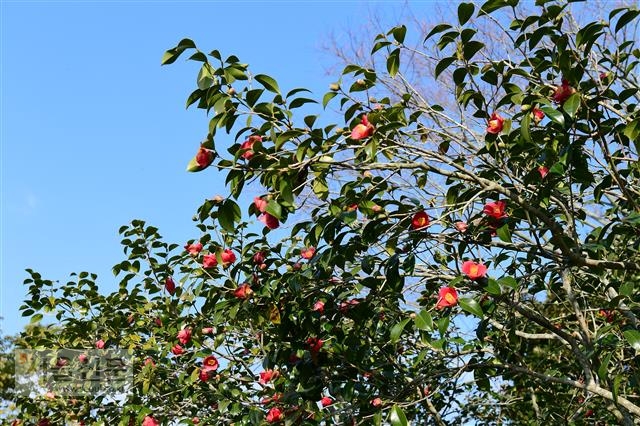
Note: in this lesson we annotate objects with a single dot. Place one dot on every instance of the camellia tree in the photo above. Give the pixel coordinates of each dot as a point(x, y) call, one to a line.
point(474, 260)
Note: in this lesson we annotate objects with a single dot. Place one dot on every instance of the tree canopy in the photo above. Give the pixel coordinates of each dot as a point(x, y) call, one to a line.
point(470, 257)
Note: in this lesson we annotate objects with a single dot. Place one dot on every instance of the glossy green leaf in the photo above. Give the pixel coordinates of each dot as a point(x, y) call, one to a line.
point(553, 114)
point(397, 329)
point(269, 83)
point(471, 306)
point(437, 29)
point(393, 62)
point(504, 233)
point(399, 33)
point(171, 55)
point(423, 321)
point(571, 105)
point(465, 11)
point(397, 417)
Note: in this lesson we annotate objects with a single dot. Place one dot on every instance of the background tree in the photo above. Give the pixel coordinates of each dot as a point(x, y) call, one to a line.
point(474, 259)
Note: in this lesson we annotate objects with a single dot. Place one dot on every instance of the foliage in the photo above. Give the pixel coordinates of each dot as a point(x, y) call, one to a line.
point(342, 309)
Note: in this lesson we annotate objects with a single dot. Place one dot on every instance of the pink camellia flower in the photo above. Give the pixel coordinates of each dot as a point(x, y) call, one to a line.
point(210, 363)
point(269, 220)
point(538, 115)
point(157, 322)
point(319, 307)
point(447, 296)
point(315, 344)
point(207, 330)
point(184, 336)
point(204, 158)
point(150, 421)
point(461, 226)
point(267, 376)
point(261, 204)
point(149, 361)
point(204, 374)
point(474, 270)
point(177, 350)
point(544, 171)
point(420, 220)
point(376, 402)
point(227, 257)
point(259, 257)
point(194, 248)
point(362, 130)
point(274, 415)
point(495, 124)
point(308, 252)
point(326, 401)
point(247, 146)
point(346, 305)
point(195, 420)
point(563, 92)
point(61, 362)
point(83, 358)
point(100, 344)
point(209, 261)
point(170, 285)
point(495, 209)
point(603, 75)
point(243, 292)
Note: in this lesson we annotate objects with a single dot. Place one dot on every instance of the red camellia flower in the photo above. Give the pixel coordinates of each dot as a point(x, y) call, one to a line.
point(194, 248)
point(170, 285)
point(447, 296)
point(315, 344)
point(544, 171)
point(150, 421)
point(100, 344)
point(563, 92)
point(362, 130)
point(204, 158)
point(177, 350)
point(308, 252)
point(184, 336)
point(495, 124)
point(204, 374)
point(210, 363)
point(274, 415)
point(269, 220)
point(376, 402)
point(259, 257)
point(495, 209)
point(607, 315)
point(261, 204)
point(247, 146)
point(420, 220)
point(267, 375)
point(228, 257)
point(326, 401)
point(344, 306)
point(319, 306)
point(243, 292)
point(461, 226)
point(207, 330)
point(209, 261)
point(149, 361)
point(83, 358)
point(538, 115)
point(474, 270)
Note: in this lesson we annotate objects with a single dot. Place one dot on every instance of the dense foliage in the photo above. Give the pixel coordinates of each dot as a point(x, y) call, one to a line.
point(471, 259)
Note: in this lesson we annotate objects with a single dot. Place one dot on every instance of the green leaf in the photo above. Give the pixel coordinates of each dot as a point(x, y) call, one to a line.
point(553, 114)
point(298, 102)
point(465, 11)
point(193, 166)
point(393, 62)
point(633, 337)
point(525, 124)
point(509, 282)
point(626, 18)
point(228, 214)
point(397, 417)
point(205, 79)
point(274, 209)
point(504, 234)
point(571, 105)
point(423, 321)
point(443, 65)
point(399, 33)
point(437, 29)
point(493, 287)
point(471, 48)
point(397, 329)
point(626, 289)
point(171, 55)
point(471, 306)
point(269, 83)
point(327, 97)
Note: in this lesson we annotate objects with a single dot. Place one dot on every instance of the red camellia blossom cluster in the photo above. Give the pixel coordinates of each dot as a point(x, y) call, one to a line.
point(474, 270)
point(247, 146)
point(243, 292)
point(274, 415)
point(495, 209)
point(314, 344)
point(544, 171)
point(362, 130)
point(447, 296)
point(170, 285)
point(184, 336)
point(193, 249)
point(204, 158)
point(267, 376)
point(150, 421)
point(326, 401)
point(211, 261)
point(420, 220)
point(268, 219)
point(563, 92)
point(495, 124)
point(209, 365)
point(308, 252)
point(537, 114)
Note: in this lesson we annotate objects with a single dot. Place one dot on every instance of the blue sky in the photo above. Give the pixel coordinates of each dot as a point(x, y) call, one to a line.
point(94, 131)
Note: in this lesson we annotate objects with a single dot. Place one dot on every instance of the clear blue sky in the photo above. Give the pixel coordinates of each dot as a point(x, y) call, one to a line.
point(94, 132)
